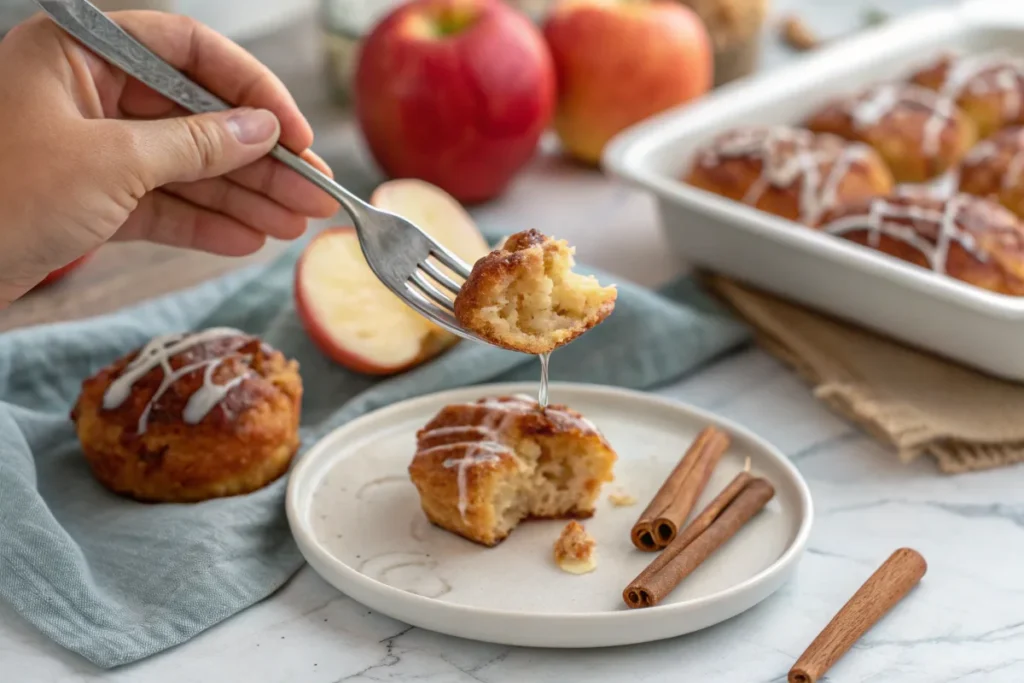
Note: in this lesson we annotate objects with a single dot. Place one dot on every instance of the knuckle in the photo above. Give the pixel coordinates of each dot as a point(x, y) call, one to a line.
point(204, 142)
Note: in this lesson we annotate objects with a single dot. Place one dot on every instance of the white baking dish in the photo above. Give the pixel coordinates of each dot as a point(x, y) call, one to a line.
point(925, 309)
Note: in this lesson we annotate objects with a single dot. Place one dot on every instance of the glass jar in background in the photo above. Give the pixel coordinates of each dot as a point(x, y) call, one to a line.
point(535, 9)
point(343, 25)
point(735, 27)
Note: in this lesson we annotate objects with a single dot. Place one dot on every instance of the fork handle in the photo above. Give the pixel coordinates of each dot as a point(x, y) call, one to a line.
point(101, 35)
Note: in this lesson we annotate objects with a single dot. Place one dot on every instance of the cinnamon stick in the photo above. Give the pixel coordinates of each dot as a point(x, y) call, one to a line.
point(886, 587)
point(672, 504)
point(651, 587)
point(700, 524)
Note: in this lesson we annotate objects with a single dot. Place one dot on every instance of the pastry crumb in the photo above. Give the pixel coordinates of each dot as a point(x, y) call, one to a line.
point(574, 550)
point(621, 499)
point(797, 34)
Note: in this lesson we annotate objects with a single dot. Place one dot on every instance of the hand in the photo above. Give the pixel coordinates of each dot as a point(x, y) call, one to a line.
point(88, 154)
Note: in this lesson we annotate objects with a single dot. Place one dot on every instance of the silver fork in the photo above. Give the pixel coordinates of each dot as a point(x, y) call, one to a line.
point(406, 259)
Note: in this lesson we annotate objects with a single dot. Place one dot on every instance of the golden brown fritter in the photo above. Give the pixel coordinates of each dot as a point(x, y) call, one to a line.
point(919, 133)
point(988, 87)
point(191, 417)
point(967, 238)
point(481, 468)
point(525, 297)
point(789, 172)
point(995, 169)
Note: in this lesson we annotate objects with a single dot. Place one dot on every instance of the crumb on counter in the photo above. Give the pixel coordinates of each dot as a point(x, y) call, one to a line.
point(574, 549)
point(621, 499)
point(798, 34)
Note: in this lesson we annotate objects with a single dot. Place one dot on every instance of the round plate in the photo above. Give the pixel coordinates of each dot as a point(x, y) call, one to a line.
point(356, 518)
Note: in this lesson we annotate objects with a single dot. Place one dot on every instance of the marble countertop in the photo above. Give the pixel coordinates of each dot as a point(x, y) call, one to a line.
point(964, 623)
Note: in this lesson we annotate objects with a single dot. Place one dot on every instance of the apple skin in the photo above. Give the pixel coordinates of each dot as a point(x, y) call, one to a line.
point(63, 271)
point(462, 111)
point(619, 62)
point(432, 345)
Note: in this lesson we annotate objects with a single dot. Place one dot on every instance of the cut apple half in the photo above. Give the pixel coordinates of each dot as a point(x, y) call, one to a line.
point(349, 314)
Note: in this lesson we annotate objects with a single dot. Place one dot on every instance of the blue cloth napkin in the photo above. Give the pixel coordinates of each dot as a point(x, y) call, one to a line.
point(115, 580)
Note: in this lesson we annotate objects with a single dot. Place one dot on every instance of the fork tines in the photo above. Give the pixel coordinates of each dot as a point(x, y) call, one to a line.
point(421, 282)
point(436, 295)
point(449, 259)
point(440, 277)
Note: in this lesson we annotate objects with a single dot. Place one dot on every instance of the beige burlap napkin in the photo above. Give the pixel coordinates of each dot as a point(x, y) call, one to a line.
point(914, 401)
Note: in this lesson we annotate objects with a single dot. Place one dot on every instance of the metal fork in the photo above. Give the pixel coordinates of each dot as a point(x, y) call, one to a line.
point(406, 259)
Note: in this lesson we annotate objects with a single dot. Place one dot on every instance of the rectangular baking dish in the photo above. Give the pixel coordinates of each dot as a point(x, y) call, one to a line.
point(978, 328)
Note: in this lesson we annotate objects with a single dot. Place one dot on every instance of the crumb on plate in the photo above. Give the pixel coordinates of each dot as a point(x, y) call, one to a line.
point(574, 549)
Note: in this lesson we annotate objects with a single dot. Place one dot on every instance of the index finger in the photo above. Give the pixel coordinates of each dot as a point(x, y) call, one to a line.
point(219, 65)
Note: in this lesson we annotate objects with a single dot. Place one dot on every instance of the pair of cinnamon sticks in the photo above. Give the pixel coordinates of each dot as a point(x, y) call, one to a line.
point(658, 527)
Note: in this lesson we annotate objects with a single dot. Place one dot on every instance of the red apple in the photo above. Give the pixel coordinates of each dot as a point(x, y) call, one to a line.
point(621, 61)
point(454, 92)
point(349, 314)
point(63, 271)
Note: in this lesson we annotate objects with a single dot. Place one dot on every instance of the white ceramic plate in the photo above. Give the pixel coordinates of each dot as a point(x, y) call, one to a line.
point(357, 520)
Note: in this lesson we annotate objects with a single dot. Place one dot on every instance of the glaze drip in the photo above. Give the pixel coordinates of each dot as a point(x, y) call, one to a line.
point(542, 394)
point(158, 354)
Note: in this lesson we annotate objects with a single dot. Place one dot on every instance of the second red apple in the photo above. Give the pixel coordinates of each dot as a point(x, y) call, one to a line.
point(621, 61)
point(455, 92)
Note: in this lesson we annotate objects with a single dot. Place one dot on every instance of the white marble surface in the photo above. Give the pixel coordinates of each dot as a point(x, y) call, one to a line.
point(965, 622)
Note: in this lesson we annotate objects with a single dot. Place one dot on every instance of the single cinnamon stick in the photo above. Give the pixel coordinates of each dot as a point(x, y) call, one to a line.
point(650, 589)
point(886, 587)
point(674, 501)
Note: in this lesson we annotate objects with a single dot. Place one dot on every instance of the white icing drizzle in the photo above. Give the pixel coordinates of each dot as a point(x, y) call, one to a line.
point(158, 353)
point(468, 430)
point(883, 219)
point(985, 74)
point(476, 453)
point(881, 101)
point(209, 395)
point(789, 156)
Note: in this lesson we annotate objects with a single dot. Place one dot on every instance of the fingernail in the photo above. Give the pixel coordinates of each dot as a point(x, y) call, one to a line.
point(252, 126)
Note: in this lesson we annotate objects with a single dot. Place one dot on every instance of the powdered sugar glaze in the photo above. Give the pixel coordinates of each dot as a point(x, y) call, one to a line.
point(158, 353)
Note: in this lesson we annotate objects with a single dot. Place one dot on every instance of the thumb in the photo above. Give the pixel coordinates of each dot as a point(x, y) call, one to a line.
point(187, 148)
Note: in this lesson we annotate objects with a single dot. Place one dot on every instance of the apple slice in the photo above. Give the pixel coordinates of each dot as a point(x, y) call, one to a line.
point(353, 318)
